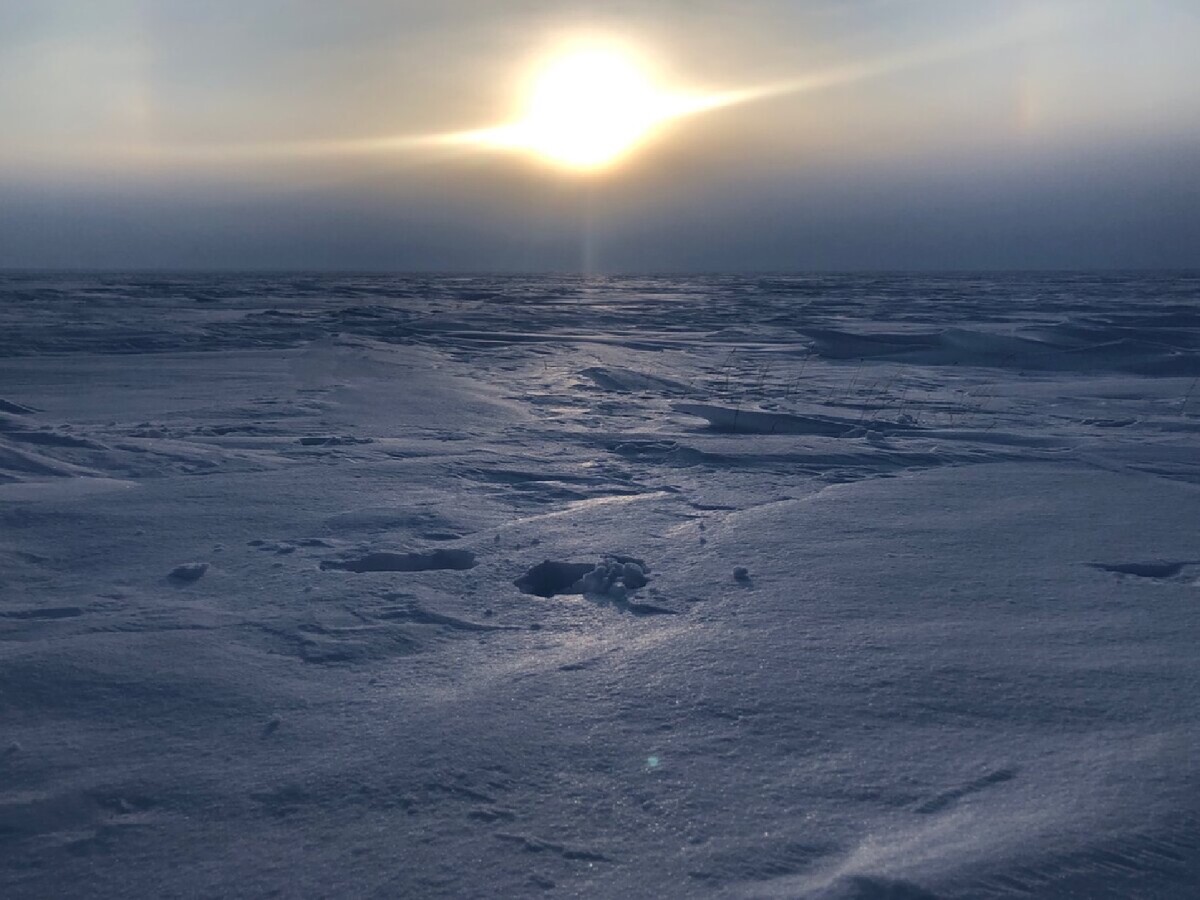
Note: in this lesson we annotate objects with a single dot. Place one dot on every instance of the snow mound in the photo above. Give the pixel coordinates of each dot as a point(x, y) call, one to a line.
point(188, 572)
point(614, 577)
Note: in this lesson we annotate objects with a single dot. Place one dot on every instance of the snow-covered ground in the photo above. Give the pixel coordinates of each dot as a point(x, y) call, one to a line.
point(855, 587)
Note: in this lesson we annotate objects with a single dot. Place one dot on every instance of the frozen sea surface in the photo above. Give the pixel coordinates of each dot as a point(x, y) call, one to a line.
point(811, 586)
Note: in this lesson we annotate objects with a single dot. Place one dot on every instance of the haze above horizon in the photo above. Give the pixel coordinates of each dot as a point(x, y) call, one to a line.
point(864, 135)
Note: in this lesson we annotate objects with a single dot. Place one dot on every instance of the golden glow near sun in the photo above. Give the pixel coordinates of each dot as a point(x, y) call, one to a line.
point(593, 101)
point(587, 107)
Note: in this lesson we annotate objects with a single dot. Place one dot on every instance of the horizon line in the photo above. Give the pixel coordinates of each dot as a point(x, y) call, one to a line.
point(621, 273)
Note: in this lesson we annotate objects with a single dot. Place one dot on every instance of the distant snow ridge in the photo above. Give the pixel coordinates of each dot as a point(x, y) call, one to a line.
point(1148, 347)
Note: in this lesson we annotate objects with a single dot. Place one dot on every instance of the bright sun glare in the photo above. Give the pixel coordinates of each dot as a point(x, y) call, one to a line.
point(588, 107)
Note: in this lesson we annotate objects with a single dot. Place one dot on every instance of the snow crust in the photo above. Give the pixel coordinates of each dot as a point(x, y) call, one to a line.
point(366, 586)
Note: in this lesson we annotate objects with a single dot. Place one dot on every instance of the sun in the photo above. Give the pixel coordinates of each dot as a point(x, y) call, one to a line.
point(585, 108)
point(589, 104)
point(590, 107)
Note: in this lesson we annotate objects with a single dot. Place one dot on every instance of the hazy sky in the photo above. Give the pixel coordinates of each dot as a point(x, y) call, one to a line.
point(936, 134)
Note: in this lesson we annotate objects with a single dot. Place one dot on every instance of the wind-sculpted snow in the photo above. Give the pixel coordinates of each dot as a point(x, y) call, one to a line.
point(744, 586)
point(1150, 350)
point(382, 561)
point(754, 421)
point(1127, 322)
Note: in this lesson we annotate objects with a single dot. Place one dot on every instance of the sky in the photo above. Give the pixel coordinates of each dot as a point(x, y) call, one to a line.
point(871, 134)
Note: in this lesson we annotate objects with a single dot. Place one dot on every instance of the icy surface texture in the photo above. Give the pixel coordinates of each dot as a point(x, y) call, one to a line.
point(811, 586)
